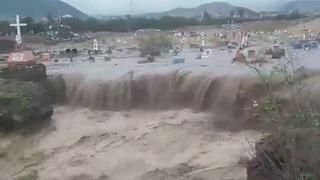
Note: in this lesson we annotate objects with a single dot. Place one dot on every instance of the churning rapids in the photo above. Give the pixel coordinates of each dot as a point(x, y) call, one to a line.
point(158, 124)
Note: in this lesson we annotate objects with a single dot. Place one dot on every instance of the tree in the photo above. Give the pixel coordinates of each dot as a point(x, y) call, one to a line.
point(241, 13)
point(37, 27)
point(193, 22)
point(154, 41)
point(232, 13)
point(76, 24)
point(29, 21)
point(206, 18)
point(295, 15)
point(93, 23)
point(4, 27)
point(50, 18)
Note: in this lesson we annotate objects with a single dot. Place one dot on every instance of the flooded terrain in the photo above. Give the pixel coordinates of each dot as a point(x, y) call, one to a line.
point(138, 144)
point(124, 120)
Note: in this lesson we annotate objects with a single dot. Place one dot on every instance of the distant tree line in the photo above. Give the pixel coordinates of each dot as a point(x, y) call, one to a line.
point(32, 26)
point(292, 16)
point(133, 23)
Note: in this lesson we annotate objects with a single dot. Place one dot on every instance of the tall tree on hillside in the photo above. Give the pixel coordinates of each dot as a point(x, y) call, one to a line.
point(241, 13)
point(295, 15)
point(77, 24)
point(232, 13)
point(50, 18)
point(27, 20)
point(206, 18)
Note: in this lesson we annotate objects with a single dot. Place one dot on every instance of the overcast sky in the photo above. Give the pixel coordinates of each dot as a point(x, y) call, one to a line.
point(120, 7)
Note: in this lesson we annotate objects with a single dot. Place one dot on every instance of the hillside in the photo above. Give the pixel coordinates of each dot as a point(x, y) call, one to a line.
point(214, 9)
point(303, 6)
point(36, 8)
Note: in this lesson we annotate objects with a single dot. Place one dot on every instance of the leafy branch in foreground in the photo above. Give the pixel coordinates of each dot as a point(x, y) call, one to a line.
point(291, 150)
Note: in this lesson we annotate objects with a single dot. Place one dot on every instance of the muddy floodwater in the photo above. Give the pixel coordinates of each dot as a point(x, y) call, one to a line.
point(158, 121)
point(138, 144)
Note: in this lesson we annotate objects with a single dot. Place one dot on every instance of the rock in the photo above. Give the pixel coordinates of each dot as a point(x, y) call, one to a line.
point(240, 58)
point(107, 58)
point(178, 61)
point(195, 46)
point(22, 103)
point(278, 53)
point(92, 59)
point(150, 59)
point(109, 51)
point(150, 52)
point(268, 52)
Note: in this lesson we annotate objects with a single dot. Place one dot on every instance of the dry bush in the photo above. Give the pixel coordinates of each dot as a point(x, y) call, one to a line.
point(292, 150)
point(154, 43)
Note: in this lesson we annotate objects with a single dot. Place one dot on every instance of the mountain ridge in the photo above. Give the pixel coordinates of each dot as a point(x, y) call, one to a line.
point(214, 9)
point(303, 6)
point(37, 8)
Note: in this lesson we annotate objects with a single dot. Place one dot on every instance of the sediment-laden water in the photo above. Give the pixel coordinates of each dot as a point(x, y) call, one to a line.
point(175, 125)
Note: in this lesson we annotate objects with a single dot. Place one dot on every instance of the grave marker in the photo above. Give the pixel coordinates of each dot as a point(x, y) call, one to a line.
point(18, 26)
